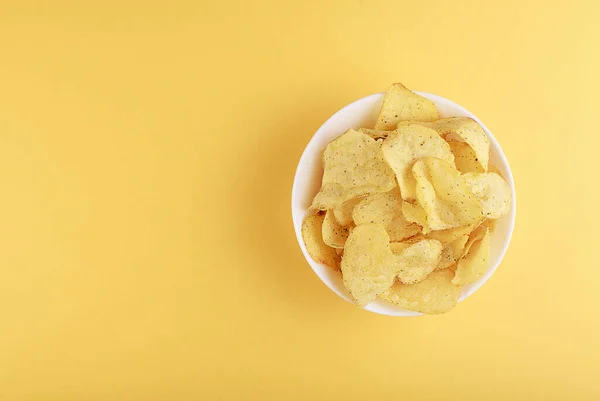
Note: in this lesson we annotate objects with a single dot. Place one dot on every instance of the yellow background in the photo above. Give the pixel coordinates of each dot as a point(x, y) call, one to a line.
point(147, 153)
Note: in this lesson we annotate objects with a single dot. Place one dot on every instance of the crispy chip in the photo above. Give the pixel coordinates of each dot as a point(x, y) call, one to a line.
point(474, 264)
point(465, 158)
point(465, 129)
point(375, 133)
point(407, 144)
point(416, 214)
point(334, 234)
point(400, 104)
point(317, 249)
point(492, 191)
point(418, 260)
point(398, 247)
point(434, 295)
point(353, 166)
point(385, 209)
point(444, 195)
point(452, 252)
point(368, 268)
point(343, 212)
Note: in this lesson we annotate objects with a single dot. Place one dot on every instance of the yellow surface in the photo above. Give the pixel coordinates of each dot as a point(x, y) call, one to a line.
point(146, 160)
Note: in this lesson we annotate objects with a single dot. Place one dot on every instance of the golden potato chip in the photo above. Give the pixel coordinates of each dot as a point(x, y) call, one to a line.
point(465, 129)
point(416, 214)
point(343, 212)
point(375, 133)
point(353, 166)
point(418, 260)
point(434, 295)
point(398, 247)
point(474, 264)
point(444, 195)
point(452, 252)
point(400, 104)
point(452, 234)
point(465, 158)
point(385, 209)
point(368, 266)
point(313, 239)
point(407, 144)
point(492, 191)
point(334, 234)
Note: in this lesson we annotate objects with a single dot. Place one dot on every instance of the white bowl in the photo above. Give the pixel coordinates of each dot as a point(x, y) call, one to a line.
point(363, 113)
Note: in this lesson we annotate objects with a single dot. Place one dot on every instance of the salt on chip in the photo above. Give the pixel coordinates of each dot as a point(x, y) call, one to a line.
point(465, 158)
point(385, 209)
point(446, 198)
point(474, 264)
point(465, 129)
point(353, 166)
point(334, 234)
point(343, 212)
point(418, 260)
point(434, 295)
point(407, 144)
point(313, 240)
point(400, 104)
point(368, 267)
point(492, 191)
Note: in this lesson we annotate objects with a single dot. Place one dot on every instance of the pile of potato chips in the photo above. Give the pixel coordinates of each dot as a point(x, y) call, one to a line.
point(404, 209)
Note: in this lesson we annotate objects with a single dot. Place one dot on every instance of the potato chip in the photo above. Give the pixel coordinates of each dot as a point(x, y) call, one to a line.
point(418, 260)
point(452, 234)
point(407, 144)
point(313, 239)
point(492, 191)
point(368, 266)
point(434, 295)
point(416, 214)
point(375, 133)
point(353, 166)
point(400, 104)
point(465, 129)
point(385, 209)
point(452, 252)
point(444, 195)
point(474, 264)
point(465, 158)
point(343, 212)
point(398, 247)
point(334, 235)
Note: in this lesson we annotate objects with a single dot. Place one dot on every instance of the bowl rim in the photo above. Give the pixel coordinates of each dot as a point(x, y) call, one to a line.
point(508, 177)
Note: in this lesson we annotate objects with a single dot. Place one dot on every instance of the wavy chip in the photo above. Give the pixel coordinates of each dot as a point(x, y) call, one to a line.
point(334, 235)
point(492, 191)
point(385, 209)
point(434, 295)
point(465, 158)
point(320, 252)
point(353, 166)
point(375, 133)
point(443, 193)
point(416, 261)
point(452, 252)
point(368, 266)
point(465, 129)
point(343, 212)
point(474, 264)
point(400, 104)
point(407, 144)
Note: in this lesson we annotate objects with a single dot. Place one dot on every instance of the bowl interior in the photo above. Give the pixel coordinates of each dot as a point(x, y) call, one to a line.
point(363, 113)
